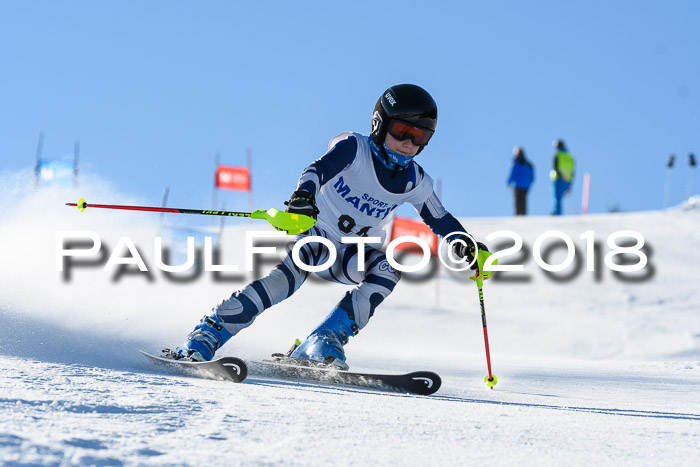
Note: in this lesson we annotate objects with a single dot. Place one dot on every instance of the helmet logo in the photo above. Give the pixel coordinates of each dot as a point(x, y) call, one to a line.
point(390, 98)
point(376, 121)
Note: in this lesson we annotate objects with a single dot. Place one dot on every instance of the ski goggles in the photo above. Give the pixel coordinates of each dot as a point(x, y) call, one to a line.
point(402, 130)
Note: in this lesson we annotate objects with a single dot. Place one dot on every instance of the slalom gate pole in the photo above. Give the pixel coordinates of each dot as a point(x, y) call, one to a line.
point(293, 223)
point(490, 379)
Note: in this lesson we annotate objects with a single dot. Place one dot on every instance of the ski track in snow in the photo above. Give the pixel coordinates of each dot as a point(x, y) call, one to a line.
point(57, 413)
point(590, 372)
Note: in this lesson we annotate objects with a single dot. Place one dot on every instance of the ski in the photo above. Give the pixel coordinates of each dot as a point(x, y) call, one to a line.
point(226, 368)
point(417, 382)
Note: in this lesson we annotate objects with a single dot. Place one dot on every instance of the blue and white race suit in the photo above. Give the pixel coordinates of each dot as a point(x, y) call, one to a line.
point(357, 195)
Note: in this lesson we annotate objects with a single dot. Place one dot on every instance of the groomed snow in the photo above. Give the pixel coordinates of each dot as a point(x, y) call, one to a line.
point(591, 370)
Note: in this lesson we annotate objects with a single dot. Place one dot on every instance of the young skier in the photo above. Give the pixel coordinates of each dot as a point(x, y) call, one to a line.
point(353, 190)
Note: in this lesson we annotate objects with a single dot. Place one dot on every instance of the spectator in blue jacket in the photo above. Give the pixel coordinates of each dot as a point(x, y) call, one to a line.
point(522, 174)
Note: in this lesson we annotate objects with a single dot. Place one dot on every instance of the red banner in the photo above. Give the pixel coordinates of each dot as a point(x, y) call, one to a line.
point(233, 178)
point(403, 226)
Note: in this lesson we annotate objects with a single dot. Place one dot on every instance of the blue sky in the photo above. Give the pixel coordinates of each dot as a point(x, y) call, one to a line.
point(154, 89)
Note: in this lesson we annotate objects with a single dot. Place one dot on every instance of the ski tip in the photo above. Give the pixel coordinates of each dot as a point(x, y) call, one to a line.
point(424, 382)
point(224, 368)
point(491, 381)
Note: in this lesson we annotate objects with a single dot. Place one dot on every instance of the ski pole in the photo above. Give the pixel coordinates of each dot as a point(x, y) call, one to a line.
point(490, 379)
point(293, 223)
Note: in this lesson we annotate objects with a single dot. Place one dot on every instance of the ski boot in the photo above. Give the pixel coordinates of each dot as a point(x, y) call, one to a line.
point(203, 341)
point(325, 343)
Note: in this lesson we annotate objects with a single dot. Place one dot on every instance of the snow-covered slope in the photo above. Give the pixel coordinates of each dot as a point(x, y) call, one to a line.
point(592, 367)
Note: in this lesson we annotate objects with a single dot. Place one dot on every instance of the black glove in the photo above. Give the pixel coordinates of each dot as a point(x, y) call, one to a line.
point(466, 249)
point(302, 202)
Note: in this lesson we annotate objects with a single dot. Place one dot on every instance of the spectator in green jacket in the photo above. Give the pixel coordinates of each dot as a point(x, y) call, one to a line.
point(562, 175)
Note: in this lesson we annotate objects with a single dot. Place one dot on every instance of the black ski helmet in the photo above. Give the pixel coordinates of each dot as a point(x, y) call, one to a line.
point(406, 102)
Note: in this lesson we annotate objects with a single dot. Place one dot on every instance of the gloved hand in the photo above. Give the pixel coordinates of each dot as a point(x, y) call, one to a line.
point(466, 248)
point(302, 202)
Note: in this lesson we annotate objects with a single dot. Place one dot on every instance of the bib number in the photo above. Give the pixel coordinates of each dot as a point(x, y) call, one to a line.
point(346, 224)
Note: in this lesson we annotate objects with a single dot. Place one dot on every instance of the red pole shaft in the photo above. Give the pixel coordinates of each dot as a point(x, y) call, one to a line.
point(486, 335)
point(128, 208)
point(172, 210)
point(488, 354)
